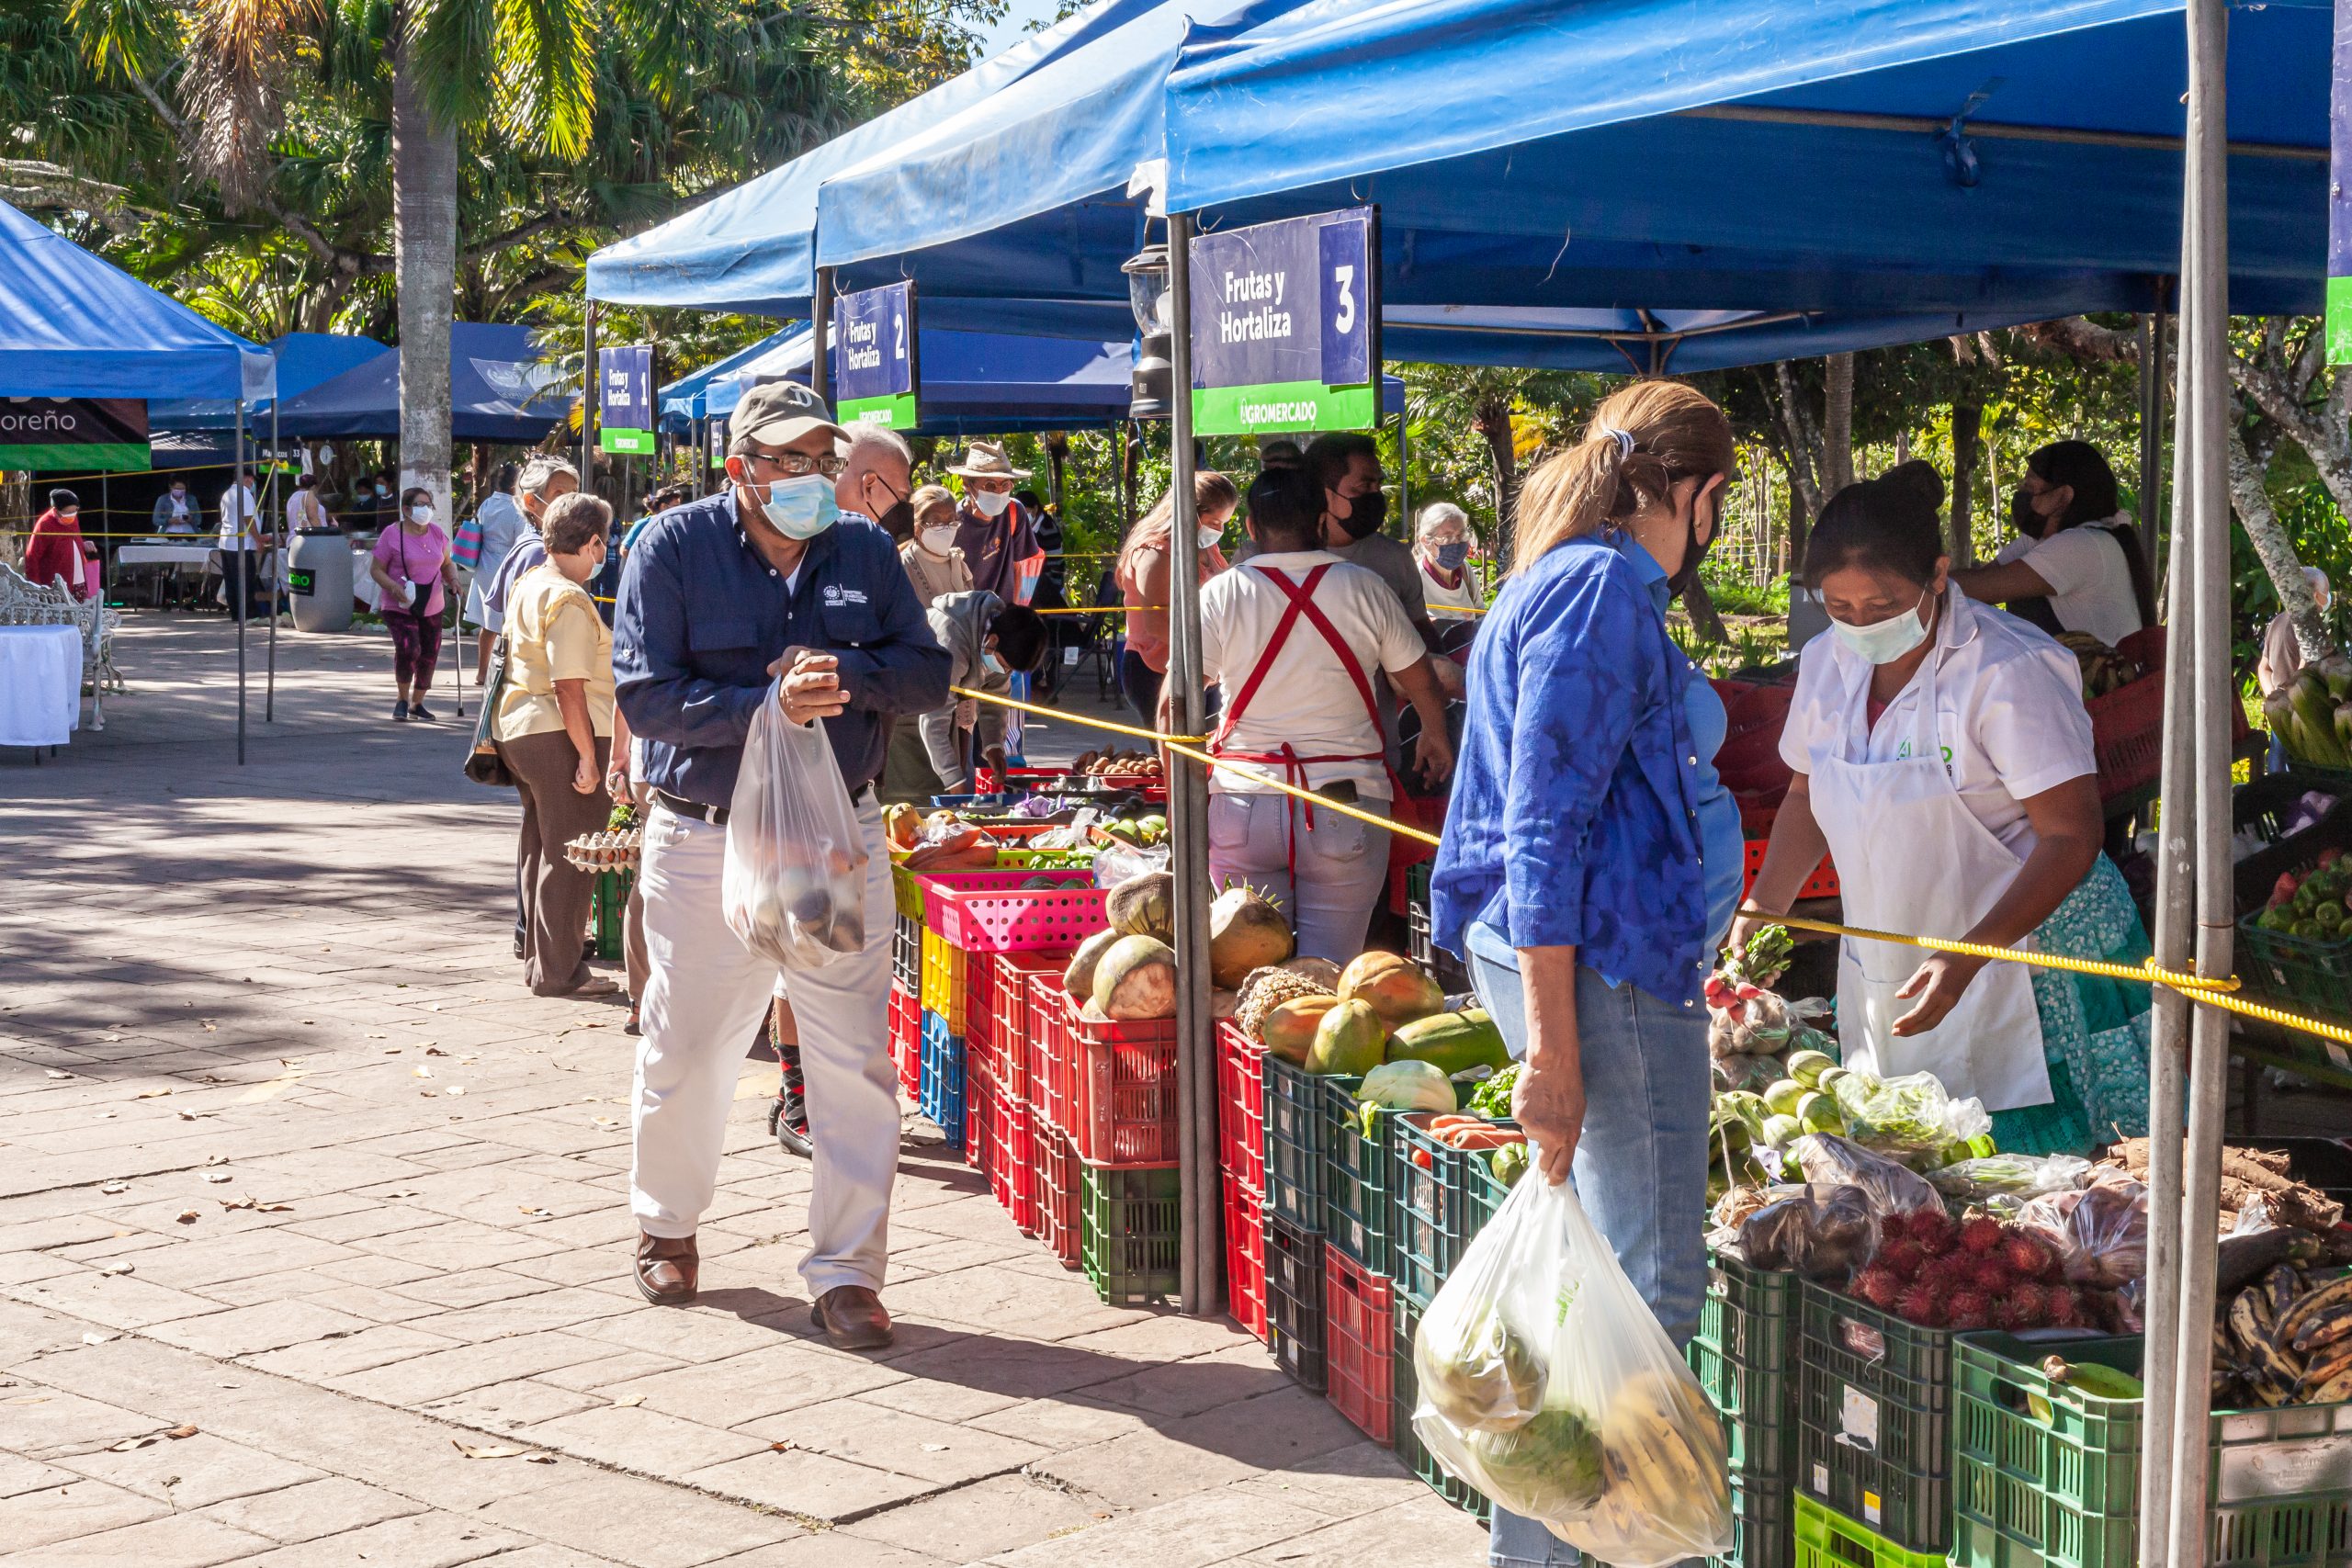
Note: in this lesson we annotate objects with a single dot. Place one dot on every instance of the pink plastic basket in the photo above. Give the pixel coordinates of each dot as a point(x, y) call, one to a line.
point(990, 911)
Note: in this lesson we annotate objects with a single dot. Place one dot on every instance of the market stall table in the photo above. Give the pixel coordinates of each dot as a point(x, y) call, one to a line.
point(180, 557)
point(41, 684)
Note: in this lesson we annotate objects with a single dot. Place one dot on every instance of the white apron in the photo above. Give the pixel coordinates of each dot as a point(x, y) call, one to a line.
point(1911, 857)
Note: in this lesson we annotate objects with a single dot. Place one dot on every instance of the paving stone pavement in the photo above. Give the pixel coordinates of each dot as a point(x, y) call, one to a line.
point(313, 1226)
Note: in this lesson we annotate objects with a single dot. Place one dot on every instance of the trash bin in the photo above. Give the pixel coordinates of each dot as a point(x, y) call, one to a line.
point(318, 579)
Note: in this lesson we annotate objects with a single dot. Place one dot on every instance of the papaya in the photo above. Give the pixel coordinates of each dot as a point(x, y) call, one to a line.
point(1450, 1041)
point(1289, 1029)
point(1395, 988)
point(1348, 1042)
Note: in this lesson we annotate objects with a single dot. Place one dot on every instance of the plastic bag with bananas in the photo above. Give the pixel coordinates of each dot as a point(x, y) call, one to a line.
point(1547, 1383)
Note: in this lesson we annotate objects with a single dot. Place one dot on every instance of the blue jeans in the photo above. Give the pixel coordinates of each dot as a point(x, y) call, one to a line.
point(1641, 1164)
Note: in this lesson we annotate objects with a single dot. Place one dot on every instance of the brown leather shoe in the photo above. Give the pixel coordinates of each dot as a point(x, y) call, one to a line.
point(665, 1269)
point(852, 1319)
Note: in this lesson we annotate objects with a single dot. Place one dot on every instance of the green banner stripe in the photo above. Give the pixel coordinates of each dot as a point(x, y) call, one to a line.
point(2339, 320)
point(132, 454)
point(619, 438)
point(1282, 406)
point(894, 412)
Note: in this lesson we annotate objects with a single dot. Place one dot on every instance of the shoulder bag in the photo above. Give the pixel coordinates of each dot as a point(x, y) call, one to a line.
point(483, 764)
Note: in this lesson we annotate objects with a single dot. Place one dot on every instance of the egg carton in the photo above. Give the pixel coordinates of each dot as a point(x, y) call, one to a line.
point(613, 850)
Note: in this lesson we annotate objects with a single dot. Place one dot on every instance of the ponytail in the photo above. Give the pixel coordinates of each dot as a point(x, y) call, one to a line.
point(1643, 439)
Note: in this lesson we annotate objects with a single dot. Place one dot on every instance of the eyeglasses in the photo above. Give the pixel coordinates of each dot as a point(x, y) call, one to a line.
point(799, 465)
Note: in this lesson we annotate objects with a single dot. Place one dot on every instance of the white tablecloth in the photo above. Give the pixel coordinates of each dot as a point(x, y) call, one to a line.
point(163, 555)
point(41, 684)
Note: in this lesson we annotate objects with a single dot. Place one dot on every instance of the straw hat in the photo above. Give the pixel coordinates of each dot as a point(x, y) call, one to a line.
point(986, 460)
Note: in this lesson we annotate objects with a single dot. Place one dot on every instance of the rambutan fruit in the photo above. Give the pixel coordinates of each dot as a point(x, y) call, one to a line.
point(1878, 1286)
point(1980, 1234)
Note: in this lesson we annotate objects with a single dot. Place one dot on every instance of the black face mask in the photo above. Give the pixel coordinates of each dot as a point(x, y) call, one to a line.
point(899, 522)
point(1366, 513)
point(1693, 552)
point(2023, 517)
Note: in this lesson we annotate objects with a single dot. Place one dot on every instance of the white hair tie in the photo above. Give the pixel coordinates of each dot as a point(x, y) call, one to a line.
point(1624, 438)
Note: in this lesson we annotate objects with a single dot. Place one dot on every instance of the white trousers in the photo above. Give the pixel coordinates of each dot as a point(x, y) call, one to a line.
point(1342, 866)
point(706, 996)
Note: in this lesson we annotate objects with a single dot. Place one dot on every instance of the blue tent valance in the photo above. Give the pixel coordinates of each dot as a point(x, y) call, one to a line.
point(499, 390)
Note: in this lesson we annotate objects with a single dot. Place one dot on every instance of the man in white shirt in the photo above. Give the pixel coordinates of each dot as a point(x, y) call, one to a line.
point(501, 520)
point(240, 545)
point(1292, 637)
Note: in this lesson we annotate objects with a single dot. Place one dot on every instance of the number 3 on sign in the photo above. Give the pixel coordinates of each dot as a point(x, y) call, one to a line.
point(1344, 278)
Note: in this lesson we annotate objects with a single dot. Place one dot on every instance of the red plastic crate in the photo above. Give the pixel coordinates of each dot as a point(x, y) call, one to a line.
point(980, 1095)
point(1015, 1016)
point(1241, 1106)
point(990, 911)
point(1060, 1197)
point(1822, 883)
point(1359, 1330)
point(1054, 1054)
point(1245, 1256)
point(1012, 1164)
point(906, 1038)
point(1125, 1078)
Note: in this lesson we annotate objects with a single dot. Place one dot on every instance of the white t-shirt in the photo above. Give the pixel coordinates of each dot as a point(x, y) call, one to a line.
point(239, 519)
point(2090, 582)
point(2008, 714)
point(1306, 698)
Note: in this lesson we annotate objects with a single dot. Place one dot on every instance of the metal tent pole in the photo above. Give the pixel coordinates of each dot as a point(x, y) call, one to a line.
point(588, 378)
point(820, 321)
point(1404, 461)
point(1188, 803)
point(2205, 483)
point(233, 561)
point(277, 571)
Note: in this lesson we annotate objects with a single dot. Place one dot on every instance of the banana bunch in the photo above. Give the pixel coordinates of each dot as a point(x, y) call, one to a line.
point(1663, 1458)
point(2311, 714)
point(2284, 1340)
point(2103, 668)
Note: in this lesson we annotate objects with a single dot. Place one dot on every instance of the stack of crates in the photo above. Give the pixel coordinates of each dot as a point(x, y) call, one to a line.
point(1297, 1136)
point(1295, 1300)
point(1059, 1198)
point(1874, 1426)
point(2050, 1473)
point(1744, 1355)
point(1111, 1090)
point(1359, 1345)
point(1241, 1171)
point(1011, 1136)
point(940, 1095)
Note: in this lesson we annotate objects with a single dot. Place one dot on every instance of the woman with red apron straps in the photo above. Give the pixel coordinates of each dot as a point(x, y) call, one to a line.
point(1302, 711)
point(1943, 758)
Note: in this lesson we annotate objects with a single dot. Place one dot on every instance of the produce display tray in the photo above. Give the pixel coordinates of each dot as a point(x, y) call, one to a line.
point(1130, 1232)
point(1295, 1301)
point(1240, 1105)
point(990, 911)
point(1407, 1443)
point(940, 1096)
point(1245, 1255)
point(1874, 1398)
point(1297, 1139)
point(1359, 1345)
point(1355, 1191)
point(2048, 1473)
point(1744, 1355)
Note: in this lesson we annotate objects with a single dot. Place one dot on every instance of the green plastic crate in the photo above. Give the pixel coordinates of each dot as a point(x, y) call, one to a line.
point(1405, 1387)
point(1744, 1355)
point(1874, 1401)
point(1762, 1525)
point(2047, 1473)
point(1826, 1539)
point(1297, 1136)
point(1428, 1208)
point(607, 909)
point(1355, 1189)
point(1130, 1229)
point(2281, 1488)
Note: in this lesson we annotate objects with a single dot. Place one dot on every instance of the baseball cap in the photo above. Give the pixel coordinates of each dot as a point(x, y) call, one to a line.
point(777, 413)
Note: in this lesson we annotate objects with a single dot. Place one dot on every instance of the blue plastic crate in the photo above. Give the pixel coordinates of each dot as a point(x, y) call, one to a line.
point(940, 1096)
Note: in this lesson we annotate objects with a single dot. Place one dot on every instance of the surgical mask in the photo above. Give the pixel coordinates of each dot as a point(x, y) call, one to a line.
point(939, 541)
point(1366, 514)
point(1884, 642)
point(1209, 536)
point(420, 515)
point(992, 664)
point(988, 503)
point(801, 508)
point(1452, 553)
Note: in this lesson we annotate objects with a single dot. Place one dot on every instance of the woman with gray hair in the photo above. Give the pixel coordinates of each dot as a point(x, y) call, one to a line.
point(1441, 545)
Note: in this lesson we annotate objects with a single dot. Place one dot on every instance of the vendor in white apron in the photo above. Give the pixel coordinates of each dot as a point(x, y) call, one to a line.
point(1943, 759)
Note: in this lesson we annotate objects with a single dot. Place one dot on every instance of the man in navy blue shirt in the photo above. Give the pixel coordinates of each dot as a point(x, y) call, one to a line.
point(766, 587)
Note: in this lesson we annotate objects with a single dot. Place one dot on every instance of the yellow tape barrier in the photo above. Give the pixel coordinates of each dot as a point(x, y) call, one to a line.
point(2196, 988)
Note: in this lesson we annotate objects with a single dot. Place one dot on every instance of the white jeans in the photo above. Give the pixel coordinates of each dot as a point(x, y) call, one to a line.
point(706, 996)
point(1342, 866)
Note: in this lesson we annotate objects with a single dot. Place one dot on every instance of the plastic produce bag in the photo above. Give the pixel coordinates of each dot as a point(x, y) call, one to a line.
point(1547, 1383)
point(1909, 1115)
point(793, 885)
point(1890, 1188)
point(2017, 1176)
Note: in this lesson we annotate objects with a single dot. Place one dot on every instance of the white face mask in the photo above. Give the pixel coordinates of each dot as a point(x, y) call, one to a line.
point(1884, 642)
point(939, 540)
point(1209, 536)
point(420, 515)
point(989, 504)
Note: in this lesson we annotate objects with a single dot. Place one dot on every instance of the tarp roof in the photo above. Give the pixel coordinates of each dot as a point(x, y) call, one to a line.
point(304, 359)
point(1771, 154)
point(72, 325)
point(499, 390)
point(753, 247)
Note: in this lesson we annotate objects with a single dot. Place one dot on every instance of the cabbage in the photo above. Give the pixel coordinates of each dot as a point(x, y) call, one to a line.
point(1407, 1085)
point(1551, 1466)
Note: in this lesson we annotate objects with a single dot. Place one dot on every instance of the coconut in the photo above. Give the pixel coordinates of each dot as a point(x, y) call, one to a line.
point(1136, 978)
point(1143, 906)
point(1079, 977)
point(1246, 933)
point(1395, 988)
point(1349, 1042)
point(1289, 1029)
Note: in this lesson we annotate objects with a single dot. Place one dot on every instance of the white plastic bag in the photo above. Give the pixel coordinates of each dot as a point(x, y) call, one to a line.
point(1546, 1382)
point(793, 885)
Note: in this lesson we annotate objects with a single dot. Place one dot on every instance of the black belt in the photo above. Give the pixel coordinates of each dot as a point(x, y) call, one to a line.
point(717, 814)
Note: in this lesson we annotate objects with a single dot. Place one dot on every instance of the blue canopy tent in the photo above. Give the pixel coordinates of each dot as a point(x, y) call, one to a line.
point(304, 359)
point(72, 325)
point(500, 388)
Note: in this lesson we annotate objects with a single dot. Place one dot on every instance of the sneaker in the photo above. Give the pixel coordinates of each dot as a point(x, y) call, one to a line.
point(399, 710)
point(418, 710)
